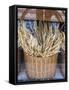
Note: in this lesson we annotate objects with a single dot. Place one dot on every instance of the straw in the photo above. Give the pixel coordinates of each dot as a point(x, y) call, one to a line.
point(45, 43)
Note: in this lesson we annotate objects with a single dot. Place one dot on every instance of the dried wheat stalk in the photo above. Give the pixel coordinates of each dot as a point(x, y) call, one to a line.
point(46, 43)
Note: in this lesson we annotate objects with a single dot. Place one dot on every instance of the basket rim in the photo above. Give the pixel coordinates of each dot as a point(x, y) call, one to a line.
point(40, 56)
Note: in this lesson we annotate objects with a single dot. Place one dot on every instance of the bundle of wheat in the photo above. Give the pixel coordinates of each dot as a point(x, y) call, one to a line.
point(46, 43)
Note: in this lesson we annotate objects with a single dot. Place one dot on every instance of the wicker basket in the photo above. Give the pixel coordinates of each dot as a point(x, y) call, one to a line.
point(40, 68)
